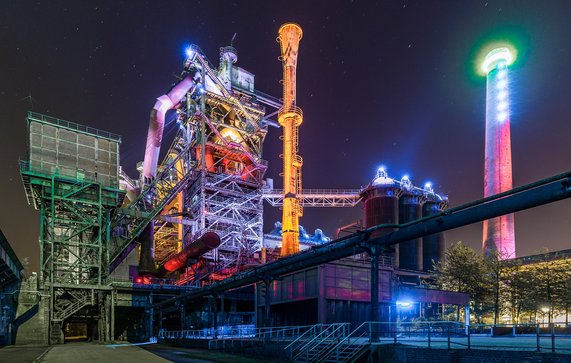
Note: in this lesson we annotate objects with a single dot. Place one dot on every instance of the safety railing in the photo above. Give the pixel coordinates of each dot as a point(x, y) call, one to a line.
point(34, 116)
point(223, 335)
point(293, 110)
point(230, 338)
point(309, 347)
point(539, 337)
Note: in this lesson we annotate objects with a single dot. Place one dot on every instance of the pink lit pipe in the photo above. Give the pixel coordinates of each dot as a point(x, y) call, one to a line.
point(157, 123)
point(207, 242)
point(498, 232)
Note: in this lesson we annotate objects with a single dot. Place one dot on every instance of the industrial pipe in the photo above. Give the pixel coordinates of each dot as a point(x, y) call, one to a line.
point(528, 196)
point(207, 242)
point(157, 123)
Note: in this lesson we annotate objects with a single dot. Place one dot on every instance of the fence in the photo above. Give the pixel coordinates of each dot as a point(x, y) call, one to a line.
point(446, 334)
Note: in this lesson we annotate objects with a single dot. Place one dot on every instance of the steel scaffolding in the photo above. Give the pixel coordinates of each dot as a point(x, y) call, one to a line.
point(75, 207)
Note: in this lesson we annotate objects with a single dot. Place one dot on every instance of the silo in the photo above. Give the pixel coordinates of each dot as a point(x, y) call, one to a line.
point(433, 245)
point(410, 209)
point(381, 202)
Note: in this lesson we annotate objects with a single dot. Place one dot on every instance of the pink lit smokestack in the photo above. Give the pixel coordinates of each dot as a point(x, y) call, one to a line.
point(498, 232)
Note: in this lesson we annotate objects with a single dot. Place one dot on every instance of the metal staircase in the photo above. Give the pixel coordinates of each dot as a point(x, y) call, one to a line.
point(310, 349)
point(67, 307)
point(348, 349)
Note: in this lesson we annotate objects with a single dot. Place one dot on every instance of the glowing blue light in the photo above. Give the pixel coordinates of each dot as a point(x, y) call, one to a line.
point(502, 84)
point(189, 52)
point(502, 116)
point(502, 74)
point(405, 177)
point(502, 95)
point(404, 304)
point(502, 106)
point(382, 171)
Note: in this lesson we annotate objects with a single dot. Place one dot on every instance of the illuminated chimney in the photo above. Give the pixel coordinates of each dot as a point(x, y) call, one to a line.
point(498, 232)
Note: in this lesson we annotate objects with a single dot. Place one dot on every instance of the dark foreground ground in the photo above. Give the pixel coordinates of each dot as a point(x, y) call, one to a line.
point(89, 352)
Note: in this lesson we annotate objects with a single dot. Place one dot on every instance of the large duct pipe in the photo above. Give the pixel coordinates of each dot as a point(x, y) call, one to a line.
point(154, 138)
point(207, 242)
point(157, 123)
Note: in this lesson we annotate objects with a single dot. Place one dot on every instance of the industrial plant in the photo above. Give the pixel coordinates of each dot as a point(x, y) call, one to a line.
point(181, 246)
point(116, 249)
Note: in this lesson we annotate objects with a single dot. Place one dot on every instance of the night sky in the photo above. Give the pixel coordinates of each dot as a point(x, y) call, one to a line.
point(391, 83)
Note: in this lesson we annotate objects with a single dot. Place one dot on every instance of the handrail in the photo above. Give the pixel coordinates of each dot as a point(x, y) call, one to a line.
point(347, 338)
point(313, 343)
point(313, 328)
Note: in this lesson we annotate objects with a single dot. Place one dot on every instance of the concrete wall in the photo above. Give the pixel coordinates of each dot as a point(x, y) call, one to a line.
point(32, 315)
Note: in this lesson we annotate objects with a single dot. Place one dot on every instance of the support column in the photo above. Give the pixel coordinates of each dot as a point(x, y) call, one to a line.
point(182, 315)
point(467, 317)
point(151, 315)
point(321, 299)
point(223, 314)
point(215, 316)
point(268, 301)
point(112, 327)
point(374, 254)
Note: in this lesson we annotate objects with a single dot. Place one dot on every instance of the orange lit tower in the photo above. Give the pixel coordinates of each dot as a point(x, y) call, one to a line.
point(290, 117)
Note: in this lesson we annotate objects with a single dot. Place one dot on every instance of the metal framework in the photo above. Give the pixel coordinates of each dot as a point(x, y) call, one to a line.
point(212, 177)
point(224, 195)
point(75, 210)
point(317, 197)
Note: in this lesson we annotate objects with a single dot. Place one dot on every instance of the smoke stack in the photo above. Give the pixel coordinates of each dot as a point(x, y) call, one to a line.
point(290, 117)
point(498, 234)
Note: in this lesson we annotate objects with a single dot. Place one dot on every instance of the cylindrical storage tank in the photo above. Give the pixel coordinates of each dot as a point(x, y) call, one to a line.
point(432, 245)
point(410, 209)
point(381, 203)
point(207, 242)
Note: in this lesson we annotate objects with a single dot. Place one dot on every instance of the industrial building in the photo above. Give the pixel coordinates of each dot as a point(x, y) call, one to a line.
point(124, 256)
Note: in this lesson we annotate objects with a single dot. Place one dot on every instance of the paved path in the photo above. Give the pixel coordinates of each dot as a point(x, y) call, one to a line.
point(89, 352)
point(22, 353)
